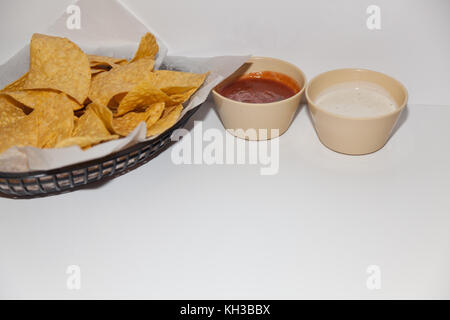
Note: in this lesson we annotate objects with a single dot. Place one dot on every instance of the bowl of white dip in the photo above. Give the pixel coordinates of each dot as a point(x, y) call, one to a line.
point(355, 110)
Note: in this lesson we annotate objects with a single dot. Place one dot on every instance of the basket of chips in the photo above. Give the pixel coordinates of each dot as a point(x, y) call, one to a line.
point(97, 100)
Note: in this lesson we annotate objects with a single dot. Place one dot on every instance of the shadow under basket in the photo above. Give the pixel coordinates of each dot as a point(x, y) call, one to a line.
point(51, 182)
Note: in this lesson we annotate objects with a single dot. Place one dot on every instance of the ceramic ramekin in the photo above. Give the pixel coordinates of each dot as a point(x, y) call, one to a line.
point(259, 121)
point(352, 135)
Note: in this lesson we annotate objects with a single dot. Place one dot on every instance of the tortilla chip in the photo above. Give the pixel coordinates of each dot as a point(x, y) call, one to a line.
point(31, 98)
point(23, 132)
point(127, 123)
point(166, 79)
point(165, 122)
point(168, 110)
point(104, 113)
point(95, 61)
point(55, 119)
point(154, 117)
point(179, 86)
point(90, 125)
point(9, 111)
point(89, 130)
point(58, 64)
point(142, 95)
point(118, 98)
point(148, 48)
point(119, 80)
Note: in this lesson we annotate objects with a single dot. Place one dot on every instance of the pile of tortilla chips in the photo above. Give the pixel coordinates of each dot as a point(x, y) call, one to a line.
point(70, 98)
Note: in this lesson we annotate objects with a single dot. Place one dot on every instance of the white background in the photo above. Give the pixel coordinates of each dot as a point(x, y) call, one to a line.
point(198, 231)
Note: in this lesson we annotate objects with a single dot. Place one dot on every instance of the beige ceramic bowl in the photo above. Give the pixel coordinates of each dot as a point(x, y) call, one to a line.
point(351, 135)
point(245, 120)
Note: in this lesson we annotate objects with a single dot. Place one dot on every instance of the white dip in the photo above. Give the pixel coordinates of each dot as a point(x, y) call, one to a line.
point(356, 99)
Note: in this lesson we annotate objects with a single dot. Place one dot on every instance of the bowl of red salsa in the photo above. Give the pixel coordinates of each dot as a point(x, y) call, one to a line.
point(259, 101)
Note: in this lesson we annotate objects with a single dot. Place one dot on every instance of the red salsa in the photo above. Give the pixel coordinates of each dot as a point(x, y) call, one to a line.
point(260, 87)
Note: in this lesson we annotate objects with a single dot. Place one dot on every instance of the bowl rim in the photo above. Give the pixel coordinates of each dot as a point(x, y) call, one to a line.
point(299, 93)
point(386, 115)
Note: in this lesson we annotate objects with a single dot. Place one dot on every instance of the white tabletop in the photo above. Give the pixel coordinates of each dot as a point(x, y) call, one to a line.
point(225, 231)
